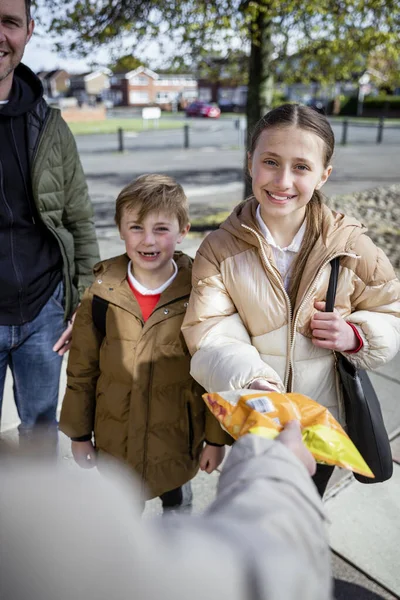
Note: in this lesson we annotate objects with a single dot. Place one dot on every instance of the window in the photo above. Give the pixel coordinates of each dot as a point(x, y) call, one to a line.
point(139, 80)
point(138, 97)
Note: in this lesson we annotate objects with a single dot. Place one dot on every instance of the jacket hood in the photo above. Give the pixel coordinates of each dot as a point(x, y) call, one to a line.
point(339, 232)
point(26, 92)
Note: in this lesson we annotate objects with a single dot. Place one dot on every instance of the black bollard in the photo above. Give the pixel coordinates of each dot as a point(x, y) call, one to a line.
point(381, 124)
point(186, 136)
point(345, 126)
point(120, 140)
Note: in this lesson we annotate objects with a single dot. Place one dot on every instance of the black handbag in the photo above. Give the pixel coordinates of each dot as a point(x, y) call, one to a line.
point(365, 426)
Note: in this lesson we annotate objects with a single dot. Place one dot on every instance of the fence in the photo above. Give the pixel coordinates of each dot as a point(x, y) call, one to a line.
point(225, 133)
point(380, 127)
point(235, 136)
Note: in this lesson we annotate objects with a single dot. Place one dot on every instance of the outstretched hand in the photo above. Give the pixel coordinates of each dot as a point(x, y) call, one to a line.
point(291, 438)
point(331, 331)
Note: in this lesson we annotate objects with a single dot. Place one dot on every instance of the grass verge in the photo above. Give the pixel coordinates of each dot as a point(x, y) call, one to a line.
point(112, 126)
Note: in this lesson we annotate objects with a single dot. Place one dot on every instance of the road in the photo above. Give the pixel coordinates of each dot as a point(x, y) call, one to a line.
point(212, 171)
point(222, 133)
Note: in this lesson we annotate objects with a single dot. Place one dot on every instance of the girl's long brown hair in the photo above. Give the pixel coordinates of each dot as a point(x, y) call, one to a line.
point(303, 117)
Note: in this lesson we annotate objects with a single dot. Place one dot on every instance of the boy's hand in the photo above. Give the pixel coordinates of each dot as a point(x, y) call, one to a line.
point(84, 454)
point(211, 457)
point(331, 331)
point(291, 438)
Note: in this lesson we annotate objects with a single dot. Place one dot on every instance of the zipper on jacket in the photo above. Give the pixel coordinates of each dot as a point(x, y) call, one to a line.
point(146, 431)
point(67, 268)
point(278, 279)
point(41, 135)
point(292, 326)
point(306, 298)
point(67, 271)
point(28, 197)
point(16, 270)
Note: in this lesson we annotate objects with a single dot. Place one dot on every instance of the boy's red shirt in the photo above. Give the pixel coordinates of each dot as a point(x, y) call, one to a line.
point(147, 302)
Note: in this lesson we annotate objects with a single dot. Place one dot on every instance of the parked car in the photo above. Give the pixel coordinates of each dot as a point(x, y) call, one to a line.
point(203, 109)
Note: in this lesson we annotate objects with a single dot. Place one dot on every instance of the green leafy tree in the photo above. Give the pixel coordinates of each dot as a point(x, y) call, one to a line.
point(231, 66)
point(126, 63)
point(331, 38)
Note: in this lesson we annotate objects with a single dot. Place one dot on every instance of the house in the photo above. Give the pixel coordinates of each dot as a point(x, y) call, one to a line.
point(91, 86)
point(143, 87)
point(55, 83)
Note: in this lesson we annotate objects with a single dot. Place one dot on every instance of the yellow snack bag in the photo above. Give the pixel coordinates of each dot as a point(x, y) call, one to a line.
point(266, 413)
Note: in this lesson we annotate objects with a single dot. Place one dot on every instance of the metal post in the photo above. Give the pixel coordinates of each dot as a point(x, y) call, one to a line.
point(120, 140)
point(381, 124)
point(186, 136)
point(345, 125)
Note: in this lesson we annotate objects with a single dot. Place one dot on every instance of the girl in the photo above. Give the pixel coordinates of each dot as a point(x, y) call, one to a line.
point(256, 315)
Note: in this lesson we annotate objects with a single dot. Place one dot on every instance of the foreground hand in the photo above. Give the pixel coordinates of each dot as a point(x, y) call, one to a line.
point(84, 454)
point(63, 344)
point(291, 438)
point(331, 331)
point(211, 457)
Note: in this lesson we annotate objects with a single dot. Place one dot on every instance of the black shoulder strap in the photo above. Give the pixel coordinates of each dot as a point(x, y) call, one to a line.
point(99, 312)
point(331, 293)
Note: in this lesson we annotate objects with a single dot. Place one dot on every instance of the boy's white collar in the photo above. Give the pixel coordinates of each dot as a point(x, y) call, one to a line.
point(146, 291)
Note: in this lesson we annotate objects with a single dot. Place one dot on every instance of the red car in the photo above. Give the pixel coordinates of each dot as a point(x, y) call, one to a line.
point(203, 109)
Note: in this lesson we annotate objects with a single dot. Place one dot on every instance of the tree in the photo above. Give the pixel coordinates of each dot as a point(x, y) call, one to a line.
point(127, 63)
point(337, 34)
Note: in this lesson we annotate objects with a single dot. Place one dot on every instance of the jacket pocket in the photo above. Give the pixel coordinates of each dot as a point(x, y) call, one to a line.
point(190, 429)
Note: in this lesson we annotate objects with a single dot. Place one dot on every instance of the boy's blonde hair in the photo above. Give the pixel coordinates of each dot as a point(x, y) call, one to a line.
point(153, 193)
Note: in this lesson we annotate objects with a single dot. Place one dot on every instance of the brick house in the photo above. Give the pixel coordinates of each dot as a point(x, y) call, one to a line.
point(90, 86)
point(144, 87)
point(55, 83)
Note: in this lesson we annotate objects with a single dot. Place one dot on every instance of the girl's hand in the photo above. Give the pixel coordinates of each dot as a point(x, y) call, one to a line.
point(211, 457)
point(331, 331)
point(84, 454)
point(262, 384)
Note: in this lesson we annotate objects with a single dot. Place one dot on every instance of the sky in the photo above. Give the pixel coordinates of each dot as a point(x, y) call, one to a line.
point(41, 55)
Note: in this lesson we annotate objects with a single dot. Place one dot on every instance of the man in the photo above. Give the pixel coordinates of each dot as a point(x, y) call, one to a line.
point(47, 238)
point(66, 535)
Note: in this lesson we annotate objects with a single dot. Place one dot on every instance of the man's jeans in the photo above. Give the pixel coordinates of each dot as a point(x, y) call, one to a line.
point(28, 351)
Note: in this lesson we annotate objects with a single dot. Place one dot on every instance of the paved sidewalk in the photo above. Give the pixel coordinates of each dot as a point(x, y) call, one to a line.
point(365, 520)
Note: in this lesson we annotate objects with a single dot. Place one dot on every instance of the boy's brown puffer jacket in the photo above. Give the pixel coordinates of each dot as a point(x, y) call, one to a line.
point(133, 387)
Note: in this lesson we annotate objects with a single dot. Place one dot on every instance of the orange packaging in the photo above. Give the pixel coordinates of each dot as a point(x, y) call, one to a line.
point(266, 413)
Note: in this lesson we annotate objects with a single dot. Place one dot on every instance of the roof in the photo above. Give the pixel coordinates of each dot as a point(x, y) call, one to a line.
point(51, 74)
point(88, 75)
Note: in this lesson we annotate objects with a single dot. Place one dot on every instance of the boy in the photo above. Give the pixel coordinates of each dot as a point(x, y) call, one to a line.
point(128, 369)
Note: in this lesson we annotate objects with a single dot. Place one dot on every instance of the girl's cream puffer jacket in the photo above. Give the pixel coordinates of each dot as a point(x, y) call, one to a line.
point(240, 325)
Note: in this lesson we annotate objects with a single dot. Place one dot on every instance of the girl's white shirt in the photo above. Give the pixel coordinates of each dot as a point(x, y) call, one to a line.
point(283, 257)
point(146, 291)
